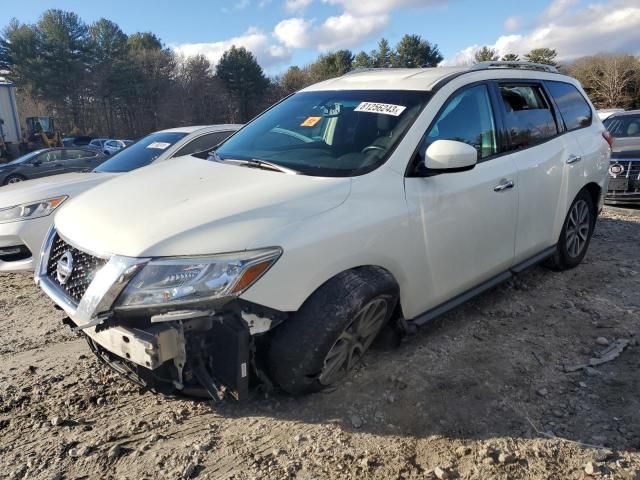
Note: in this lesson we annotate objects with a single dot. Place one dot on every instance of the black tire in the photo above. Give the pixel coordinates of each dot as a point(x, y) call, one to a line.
point(300, 346)
point(14, 179)
point(566, 256)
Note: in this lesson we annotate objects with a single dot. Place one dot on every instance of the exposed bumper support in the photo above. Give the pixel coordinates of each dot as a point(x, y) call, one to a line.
point(148, 348)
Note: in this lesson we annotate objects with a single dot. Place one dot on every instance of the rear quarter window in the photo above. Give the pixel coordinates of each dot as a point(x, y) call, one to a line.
point(575, 110)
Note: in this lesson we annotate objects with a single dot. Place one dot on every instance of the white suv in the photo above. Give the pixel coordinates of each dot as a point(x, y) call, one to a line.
point(380, 197)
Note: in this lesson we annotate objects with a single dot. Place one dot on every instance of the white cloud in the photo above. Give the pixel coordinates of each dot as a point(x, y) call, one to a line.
point(557, 7)
point(254, 40)
point(372, 7)
point(613, 26)
point(348, 30)
point(296, 5)
point(342, 31)
point(512, 23)
point(293, 32)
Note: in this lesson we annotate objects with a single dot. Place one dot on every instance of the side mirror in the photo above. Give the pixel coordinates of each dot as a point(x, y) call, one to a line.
point(450, 155)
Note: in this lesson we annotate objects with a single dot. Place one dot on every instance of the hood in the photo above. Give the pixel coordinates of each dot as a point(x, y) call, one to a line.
point(194, 207)
point(69, 184)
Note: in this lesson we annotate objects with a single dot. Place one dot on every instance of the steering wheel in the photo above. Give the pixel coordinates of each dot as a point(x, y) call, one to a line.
point(373, 148)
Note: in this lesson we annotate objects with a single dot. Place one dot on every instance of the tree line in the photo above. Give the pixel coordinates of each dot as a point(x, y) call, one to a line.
point(97, 80)
point(610, 80)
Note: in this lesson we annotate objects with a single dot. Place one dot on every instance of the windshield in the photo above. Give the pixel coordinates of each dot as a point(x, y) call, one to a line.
point(621, 126)
point(140, 153)
point(26, 157)
point(328, 133)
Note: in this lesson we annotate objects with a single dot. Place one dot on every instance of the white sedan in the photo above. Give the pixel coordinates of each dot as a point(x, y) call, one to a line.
point(26, 207)
point(114, 146)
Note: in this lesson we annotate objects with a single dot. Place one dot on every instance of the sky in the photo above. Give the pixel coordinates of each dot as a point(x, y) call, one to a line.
point(294, 32)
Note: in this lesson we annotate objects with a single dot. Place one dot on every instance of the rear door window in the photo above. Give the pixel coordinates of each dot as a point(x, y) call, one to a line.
point(76, 154)
point(528, 115)
point(573, 107)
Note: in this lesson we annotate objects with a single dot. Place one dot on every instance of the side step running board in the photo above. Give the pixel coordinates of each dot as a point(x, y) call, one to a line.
point(449, 305)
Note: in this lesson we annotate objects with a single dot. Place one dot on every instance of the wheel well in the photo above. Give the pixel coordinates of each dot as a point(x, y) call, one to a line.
point(375, 270)
point(594, 191)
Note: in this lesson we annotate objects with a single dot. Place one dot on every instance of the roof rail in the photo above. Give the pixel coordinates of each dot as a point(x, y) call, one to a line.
point(366, 69)
point(515, 64)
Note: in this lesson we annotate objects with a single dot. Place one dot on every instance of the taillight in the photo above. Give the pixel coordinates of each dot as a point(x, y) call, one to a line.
point(608, 137)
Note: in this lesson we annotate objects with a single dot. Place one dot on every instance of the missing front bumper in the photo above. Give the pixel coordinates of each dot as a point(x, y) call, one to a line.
point(194, 357)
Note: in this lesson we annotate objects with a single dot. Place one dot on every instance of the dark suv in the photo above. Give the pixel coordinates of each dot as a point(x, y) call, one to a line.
point(50, 161)
point(624, 171)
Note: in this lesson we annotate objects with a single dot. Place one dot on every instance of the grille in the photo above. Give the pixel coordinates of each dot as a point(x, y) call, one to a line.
point(84, 268)
point(631, 172)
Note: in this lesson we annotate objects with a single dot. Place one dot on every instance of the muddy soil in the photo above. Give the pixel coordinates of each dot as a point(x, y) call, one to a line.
point(500, 388)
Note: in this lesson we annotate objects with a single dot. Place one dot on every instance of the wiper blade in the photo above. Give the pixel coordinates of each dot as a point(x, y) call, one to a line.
point(255, 163)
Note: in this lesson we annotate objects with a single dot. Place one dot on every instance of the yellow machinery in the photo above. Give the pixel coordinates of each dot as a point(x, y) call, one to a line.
point(41, 133)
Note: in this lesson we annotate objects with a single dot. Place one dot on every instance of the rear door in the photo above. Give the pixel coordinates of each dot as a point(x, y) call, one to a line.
point(467, 220)
point(546, 162)
point(80, 160)
point(582, 126)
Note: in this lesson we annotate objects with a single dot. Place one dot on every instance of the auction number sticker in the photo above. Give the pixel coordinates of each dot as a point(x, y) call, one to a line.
point(382, 108)
point(310, 121)
point(159, 145)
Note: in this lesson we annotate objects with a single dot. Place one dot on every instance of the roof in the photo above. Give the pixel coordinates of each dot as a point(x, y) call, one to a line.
point(211, 128)
point(388, 79)
point(428, 78)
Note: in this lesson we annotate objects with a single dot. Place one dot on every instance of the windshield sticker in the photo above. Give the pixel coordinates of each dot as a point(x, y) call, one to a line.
point(159, 145)
point(310, 121)
point(382, 108)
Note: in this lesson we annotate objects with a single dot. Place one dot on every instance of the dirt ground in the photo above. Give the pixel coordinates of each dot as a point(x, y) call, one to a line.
point(486, 392)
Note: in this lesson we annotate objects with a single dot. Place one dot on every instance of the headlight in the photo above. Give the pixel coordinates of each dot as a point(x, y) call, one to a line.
point(173, 281)
point(26, 211)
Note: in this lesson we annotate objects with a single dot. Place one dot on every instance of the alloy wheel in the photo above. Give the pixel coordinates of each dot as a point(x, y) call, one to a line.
point(578, 226)
point(14, 180)
point(354, 341)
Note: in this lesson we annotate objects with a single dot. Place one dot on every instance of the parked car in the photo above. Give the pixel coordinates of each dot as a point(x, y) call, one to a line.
point(605, 113)
point(113, 146)
point(98, 144)
point(49, 161)
point(25, 209)
point(624, 184)
point(386, 194)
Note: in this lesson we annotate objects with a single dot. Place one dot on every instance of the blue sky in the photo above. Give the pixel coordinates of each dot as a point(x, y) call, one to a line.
point(288, 32)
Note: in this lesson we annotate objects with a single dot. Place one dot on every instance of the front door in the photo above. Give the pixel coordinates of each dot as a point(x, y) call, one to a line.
point(467, 220)
point(45, 164)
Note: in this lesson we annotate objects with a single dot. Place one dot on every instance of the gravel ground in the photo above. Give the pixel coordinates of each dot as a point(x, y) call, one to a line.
point(501, 388)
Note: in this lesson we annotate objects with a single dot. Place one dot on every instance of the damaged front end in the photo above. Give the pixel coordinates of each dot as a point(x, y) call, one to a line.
point(193, 343)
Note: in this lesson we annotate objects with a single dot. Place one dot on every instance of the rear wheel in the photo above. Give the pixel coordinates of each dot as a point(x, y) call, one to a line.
point(576, 233)
point(14, 179)
point(328, 336)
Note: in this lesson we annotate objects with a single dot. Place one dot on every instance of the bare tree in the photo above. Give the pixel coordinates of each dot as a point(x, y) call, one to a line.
point(611, 80)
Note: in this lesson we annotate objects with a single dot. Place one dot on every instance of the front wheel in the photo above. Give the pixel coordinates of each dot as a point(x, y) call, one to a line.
point(328, 336)
point(576, 233)
point(14, 179)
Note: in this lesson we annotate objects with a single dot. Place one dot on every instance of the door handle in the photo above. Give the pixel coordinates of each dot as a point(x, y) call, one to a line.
point(574, 159)
point(503, 185)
